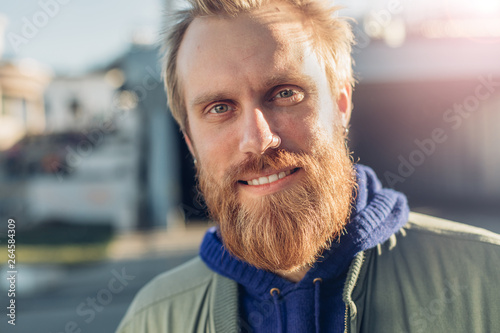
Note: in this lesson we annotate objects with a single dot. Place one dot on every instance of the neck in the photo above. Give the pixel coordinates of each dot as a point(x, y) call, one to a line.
point(294, 276)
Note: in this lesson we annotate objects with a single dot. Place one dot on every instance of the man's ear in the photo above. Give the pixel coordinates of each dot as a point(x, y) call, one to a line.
point(344, 103)
point(189, 144)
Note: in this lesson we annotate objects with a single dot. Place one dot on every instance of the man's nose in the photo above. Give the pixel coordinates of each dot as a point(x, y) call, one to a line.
point(256, 134)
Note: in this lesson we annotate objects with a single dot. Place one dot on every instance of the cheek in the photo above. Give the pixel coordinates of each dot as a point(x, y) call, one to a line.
point(300, 127)
point(214, 149)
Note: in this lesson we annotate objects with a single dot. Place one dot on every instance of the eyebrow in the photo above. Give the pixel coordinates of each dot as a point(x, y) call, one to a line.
point(207, 98)
point(287, 78)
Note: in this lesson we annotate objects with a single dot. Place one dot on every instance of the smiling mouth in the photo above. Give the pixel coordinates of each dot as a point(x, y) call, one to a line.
point(268, 179)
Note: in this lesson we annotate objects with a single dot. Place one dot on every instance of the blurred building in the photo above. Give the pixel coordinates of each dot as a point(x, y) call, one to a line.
point(22, 85)
point(77, 102)
point(427, 106)
point(94, 149)
point(122, 167)
point(3, 24)
point(160, 158)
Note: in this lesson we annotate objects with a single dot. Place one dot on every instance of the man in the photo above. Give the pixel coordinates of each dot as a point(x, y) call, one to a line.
point(305, 241)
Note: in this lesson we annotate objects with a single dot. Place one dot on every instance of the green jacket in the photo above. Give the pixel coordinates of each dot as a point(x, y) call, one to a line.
point(432, 276)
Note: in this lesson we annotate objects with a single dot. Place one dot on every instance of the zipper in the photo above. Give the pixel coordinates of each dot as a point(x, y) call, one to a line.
point(351, 281)
point(345, 318)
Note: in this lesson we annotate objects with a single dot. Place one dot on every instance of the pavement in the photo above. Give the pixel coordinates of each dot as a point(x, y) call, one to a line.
point(157, 242)
point(85, 298)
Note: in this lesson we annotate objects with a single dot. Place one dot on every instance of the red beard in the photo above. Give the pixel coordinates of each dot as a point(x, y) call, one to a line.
point(289, 229)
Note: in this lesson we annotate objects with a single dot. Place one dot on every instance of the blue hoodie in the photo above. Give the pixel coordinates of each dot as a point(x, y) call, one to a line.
point(313, 304)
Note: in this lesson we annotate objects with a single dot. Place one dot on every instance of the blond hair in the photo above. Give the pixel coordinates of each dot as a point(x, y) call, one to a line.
point(333, 40)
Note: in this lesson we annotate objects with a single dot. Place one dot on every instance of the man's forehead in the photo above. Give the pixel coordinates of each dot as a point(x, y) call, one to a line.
point(279, 21)
point(272, 15)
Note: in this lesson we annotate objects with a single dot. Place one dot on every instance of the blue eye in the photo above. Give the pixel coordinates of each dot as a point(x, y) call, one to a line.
point(219, 108)
point(288, 97)
point(285, 93)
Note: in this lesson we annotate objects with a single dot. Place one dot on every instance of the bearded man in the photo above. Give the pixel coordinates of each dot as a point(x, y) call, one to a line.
point(305, 241)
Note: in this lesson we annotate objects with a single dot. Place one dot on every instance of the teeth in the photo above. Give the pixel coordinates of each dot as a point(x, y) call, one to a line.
point(269, 179)
point(273, 178)
point(263, 180)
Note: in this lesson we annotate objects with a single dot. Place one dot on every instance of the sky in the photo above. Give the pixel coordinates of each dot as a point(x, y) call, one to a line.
point(71, 36)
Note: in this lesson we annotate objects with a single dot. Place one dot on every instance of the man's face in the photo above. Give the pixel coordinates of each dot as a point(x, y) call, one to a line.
point(247, 78)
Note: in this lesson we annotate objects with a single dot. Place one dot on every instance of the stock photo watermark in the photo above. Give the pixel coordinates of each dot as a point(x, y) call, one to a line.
point(12, 272)
point(95, 136)
point(34, 23)
point(379, 20)
point(454, 117)
point(422, 319)
point(84, 148)
point(92, 306)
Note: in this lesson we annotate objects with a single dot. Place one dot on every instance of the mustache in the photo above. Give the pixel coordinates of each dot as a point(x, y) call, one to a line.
point(272, 159)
